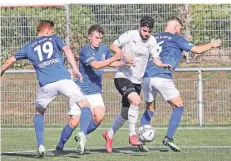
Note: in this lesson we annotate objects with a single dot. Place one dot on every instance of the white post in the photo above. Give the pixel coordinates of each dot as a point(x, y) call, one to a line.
point(68, 32)
point(200, 97)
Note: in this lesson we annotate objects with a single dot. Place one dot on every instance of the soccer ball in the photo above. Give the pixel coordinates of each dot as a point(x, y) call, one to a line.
point(146, 133)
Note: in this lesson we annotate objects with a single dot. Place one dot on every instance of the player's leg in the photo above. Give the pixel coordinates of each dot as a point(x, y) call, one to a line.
point(167, 89)
point(98, 111)
point(77, 101)
point(149, 96)
point(44, 96)
point(122, 117)
point(73, 121)
point(133, 113)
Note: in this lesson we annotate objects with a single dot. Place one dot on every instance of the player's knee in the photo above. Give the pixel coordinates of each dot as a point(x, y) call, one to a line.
point(98, 114)
point(98, 119)
point(74, 121)
point(136, 101)
point(176, 102)
point(40, 110)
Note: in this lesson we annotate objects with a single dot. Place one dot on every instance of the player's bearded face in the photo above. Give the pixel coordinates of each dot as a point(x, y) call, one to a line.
point(95, 39)
point(145, 32)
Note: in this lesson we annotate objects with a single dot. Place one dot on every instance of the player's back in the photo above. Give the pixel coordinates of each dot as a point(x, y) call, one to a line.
point(45, 54)
point(172, 47)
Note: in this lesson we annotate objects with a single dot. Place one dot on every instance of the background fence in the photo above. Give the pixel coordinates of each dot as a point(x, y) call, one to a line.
point(207, 99)
point(201, 24)
point(206, 96)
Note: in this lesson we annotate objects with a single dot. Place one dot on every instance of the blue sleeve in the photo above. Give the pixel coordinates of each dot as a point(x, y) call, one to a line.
point(184, 44)
point(21, 53)
point(60, 43)
point(108, 53)
point(86, 56)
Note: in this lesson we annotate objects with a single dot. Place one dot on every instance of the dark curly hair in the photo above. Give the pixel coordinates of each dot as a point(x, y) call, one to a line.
point(147, 21)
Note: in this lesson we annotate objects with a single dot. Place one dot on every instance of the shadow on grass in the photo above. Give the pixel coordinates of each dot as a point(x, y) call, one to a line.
point(134, 151)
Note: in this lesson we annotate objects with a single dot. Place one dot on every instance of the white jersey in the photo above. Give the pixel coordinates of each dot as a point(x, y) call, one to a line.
point(132, 44)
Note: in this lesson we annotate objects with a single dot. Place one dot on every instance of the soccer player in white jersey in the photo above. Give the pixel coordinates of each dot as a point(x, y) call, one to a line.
point(137, 46)
point(93, 57)
point(44, 52)
point(157, 80)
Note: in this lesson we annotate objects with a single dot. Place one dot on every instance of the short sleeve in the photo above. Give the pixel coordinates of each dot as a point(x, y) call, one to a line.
point(184, 44)
point(86, 56)
point(123, 39)
point(155, 48)
point(60, 43)
point(21, 53)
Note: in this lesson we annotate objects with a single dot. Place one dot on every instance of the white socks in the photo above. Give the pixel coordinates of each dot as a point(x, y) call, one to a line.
point(133, 114)
point(117, 124)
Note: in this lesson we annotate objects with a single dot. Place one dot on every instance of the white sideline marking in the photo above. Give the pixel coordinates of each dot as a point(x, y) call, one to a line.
point(126, 148)
point(126, 128)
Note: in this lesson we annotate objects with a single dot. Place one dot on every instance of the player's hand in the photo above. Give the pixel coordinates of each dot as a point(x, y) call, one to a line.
point(77, 74)
point(130, 60)
point(216, 43)
point(118, 55)
point(168, 67)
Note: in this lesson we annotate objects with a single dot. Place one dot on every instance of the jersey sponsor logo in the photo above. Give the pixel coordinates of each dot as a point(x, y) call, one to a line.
point(90, 59)
point(49, 62)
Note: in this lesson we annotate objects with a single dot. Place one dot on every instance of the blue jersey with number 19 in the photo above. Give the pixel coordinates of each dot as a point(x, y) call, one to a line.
point(45, 54)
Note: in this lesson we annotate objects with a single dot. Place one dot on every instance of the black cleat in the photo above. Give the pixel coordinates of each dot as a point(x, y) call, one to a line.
point(169, 142)
point(58, 151)
point(143, 147)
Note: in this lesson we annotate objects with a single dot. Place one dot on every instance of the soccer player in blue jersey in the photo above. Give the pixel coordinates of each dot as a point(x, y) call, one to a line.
point(93, 57)
point(44, 52)
point(156, 80)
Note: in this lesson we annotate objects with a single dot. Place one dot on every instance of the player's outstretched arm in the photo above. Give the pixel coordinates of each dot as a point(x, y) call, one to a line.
point(119, 64)
point(159, 63)
point(100, 64)
point(7, 64)
point(114, 47)
point(72, 61)
point(202, 48)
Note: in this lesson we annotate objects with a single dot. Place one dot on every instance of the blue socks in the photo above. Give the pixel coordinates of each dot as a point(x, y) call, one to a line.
point(92, 126)
point(146, 117)
point(85, 119)
point(39, 128)
point(66, 133)
point(174, 121)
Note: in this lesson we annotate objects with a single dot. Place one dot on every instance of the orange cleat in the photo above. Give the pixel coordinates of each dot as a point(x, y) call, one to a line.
point(134, 141)
point(109, 141)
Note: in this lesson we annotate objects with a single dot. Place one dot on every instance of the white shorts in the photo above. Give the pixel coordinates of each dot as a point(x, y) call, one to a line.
point(65, 87)
point(95, 100)
point(152, 86)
